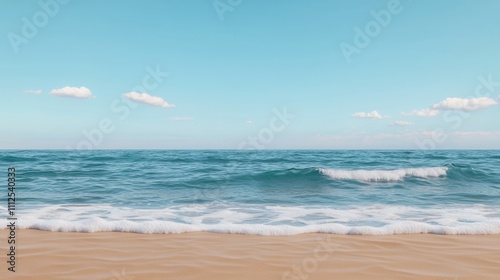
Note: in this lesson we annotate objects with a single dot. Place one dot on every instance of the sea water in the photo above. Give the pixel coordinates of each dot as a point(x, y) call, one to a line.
point(268, 192)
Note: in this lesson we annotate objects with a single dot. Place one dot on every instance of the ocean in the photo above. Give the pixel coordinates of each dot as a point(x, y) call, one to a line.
point(267, 192)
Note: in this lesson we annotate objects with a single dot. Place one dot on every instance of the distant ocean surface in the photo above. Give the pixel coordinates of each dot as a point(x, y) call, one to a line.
point(256, 192)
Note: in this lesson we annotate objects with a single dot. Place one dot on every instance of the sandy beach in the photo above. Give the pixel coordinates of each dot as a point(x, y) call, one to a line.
point(112, 255)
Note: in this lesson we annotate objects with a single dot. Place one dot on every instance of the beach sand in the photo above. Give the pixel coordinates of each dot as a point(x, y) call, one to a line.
point(112, 255)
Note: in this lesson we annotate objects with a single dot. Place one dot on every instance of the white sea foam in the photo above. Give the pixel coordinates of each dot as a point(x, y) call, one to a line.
point(265, 220)
point(383, 175)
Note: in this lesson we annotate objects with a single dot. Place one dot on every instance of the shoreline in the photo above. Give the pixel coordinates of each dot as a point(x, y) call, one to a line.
point(201, 255)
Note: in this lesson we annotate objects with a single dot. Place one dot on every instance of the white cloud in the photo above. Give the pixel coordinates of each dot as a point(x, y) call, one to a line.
point(33, 91)
point(422, 113)
point(148, 99)
point(370, 115)
point(181, 119)
point(464, 104)
point(248, 122)
point(402, 123)
point(454, 103)
point(76, 92)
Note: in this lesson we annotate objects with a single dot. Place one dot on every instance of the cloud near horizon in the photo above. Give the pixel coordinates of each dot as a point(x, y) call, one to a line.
point(370, 115)
point(476, 133)
point(148, 99)
point(463, 104)
point(33, 91)
point(411, 135)
point(402, 123)
point(422, 113)
point(75, 92)
point(454, 103)
point(181, 119)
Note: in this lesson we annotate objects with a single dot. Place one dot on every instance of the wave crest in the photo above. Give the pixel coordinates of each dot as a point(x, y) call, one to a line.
point(383, 175)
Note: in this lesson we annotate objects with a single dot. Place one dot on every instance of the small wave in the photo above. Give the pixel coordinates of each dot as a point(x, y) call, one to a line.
point(383, 175)
point(284, 175)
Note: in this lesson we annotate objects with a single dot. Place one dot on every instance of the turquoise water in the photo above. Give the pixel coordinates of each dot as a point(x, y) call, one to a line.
point(257, 192)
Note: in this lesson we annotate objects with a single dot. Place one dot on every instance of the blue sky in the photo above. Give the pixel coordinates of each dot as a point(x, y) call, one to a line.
point(249, 74)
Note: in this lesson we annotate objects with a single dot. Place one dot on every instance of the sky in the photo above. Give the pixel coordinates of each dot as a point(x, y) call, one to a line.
point(240, 74)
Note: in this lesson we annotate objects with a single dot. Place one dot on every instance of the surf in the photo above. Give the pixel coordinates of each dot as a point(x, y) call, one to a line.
point(384, 175)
